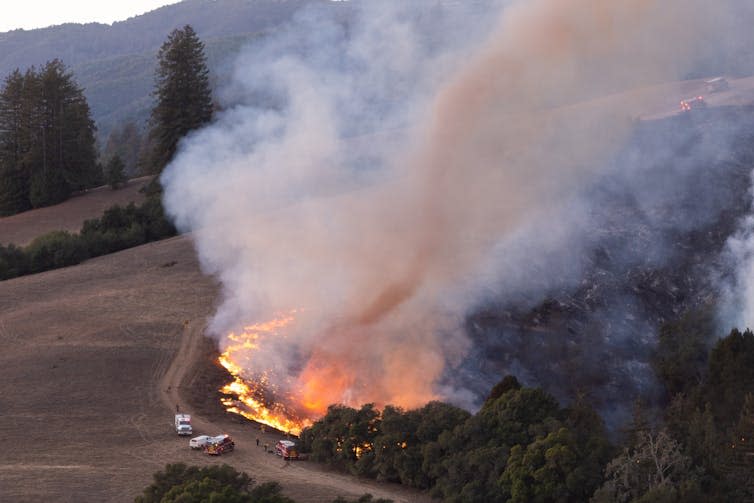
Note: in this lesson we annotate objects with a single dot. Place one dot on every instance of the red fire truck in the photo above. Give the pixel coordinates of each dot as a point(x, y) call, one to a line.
point(286, 449)
point(219, 445)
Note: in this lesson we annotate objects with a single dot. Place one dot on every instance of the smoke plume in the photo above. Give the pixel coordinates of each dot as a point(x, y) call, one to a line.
point(381, 168)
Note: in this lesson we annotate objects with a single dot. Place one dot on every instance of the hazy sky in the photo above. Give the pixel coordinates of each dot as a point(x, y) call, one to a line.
point(29, 14)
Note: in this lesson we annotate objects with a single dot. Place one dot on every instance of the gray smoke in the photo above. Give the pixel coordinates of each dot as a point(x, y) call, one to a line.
point(385, 169)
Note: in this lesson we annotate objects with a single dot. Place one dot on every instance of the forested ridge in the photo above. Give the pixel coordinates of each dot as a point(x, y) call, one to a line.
point(114, 64)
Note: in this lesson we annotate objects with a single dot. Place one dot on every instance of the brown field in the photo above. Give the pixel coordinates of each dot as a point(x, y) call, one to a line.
point(22, 228)
point(95, 358)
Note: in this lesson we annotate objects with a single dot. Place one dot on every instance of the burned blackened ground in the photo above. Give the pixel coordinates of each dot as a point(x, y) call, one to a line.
point(652, 248)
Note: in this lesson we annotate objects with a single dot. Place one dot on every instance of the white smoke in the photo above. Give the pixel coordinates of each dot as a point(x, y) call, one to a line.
point(377, 171)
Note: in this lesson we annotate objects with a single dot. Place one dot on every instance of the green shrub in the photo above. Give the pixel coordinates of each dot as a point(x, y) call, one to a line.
point(13, 262)
point(117, 229)
point(53, 250)
point(180, 483)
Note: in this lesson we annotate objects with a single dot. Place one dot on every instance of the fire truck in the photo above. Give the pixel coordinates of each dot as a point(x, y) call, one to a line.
point(716, 85)
point(286, 449)
point(219, 445)
point(183, 424)
point(695, 103)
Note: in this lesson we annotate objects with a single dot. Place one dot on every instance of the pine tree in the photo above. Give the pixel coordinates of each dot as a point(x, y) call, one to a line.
point(66, 139)
point(47, 146)
point(14, 180)
point(183, 95)
point(115, 175)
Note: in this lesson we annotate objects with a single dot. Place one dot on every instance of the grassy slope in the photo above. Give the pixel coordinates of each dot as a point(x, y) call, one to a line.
point(83, 413)
point(70, 215)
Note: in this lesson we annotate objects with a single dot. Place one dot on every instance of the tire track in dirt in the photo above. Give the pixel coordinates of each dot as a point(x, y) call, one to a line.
point(164, 367)
point(175, 376)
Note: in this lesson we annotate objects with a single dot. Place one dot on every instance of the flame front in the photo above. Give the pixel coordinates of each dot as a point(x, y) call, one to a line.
point(253, 392)
point(287, 386)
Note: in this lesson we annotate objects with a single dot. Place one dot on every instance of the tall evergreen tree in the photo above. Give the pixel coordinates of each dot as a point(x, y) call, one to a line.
point(66, 140)
point(47, 146)
point(14, 179)
point(182, 91)
point(115, 175)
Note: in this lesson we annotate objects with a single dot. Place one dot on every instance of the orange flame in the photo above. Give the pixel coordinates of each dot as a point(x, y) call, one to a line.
point(251, 393)
point(328, 374)
point(323, 386)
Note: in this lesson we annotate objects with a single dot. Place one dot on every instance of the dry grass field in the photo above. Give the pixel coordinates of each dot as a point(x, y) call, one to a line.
point(94, 360)
point(22, 228)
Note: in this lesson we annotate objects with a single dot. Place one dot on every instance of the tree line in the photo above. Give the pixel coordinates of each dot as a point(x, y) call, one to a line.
point(47, 151)
point(117, 229)
point(181, 483)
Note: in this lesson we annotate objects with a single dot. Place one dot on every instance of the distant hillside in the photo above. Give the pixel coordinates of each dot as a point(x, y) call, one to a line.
point(115, 64)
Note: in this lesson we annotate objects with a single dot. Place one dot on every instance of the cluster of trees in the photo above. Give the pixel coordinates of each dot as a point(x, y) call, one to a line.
point(181, 483)
point(523, 447)
point(47, 144)
point(47, 136)
point(710, 404)
point(47, 152)
point(118, 228)
point(183, 103)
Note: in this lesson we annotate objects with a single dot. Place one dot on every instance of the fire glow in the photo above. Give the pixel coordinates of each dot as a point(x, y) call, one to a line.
point(287, 386)
point(255, 396)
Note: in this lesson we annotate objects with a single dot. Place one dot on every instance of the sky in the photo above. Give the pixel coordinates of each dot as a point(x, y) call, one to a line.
point(30, 14)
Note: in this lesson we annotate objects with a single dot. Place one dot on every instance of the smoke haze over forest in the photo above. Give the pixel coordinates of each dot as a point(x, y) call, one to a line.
point(391, 173)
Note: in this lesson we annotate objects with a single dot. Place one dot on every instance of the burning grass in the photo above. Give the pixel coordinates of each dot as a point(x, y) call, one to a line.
point(252, 394)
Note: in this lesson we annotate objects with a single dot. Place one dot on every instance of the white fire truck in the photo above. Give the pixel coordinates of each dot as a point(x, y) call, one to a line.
point(183, 424)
